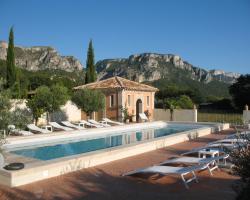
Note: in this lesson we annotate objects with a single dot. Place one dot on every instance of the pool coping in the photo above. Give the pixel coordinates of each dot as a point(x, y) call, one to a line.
point(51, 168)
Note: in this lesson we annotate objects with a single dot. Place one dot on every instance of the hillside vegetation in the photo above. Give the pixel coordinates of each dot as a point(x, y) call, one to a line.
point(30, 80)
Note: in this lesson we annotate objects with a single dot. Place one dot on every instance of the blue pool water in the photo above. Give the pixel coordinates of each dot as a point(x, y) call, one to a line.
point(107, 141)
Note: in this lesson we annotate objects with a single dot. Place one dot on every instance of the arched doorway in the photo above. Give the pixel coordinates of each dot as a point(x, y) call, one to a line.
point(138, 108)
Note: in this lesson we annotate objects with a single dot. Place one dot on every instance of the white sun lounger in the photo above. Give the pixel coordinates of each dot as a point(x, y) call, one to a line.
point(1, 161)
point(143, 116)
point(167, 170)
point(97, 123)
point(107, 120)
point(69, 124)
point(220, 147)
point(58, 126)
point(228, 141)
point(35, 128)
point(90, 124)
point(212, 161)
point(244, 134)
point(21, 132)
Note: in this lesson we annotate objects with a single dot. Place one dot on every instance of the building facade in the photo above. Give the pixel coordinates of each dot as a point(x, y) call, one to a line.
point(123, 93)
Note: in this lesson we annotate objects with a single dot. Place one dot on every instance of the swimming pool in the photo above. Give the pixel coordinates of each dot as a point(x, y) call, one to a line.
point(54, 154)
point(79, 146)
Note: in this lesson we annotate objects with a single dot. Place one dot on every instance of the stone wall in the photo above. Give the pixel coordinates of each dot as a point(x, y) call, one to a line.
point(181, 115)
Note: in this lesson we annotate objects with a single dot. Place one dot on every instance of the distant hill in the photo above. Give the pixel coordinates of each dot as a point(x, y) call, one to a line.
point(152, 67)
point(162, 70)
point(41, 58)
point(155, 69)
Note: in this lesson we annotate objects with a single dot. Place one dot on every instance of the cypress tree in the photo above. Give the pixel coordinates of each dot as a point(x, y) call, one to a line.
point(11, 71)
point(90, 65)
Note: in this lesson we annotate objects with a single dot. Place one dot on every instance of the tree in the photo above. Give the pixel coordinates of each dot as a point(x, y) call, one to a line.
point(89, 100)
point(185, 102)
point(90, 65)
point(47, 100)
point(41, 102)
point(11, 71)
point(59, 97)
point(20, 118)
point(5, 106)
point(182, 102)
point(240, 91)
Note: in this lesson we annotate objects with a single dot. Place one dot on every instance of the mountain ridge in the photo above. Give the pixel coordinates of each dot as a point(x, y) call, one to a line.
point(41, 57)
point(138, 66)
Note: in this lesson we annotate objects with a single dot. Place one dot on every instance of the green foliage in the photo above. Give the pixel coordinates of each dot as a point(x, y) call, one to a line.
point(11, 71)
point(36, 110)
point(20, 118)
point(182, 102)
point(124, 110)
point(59, 97)
point(171, 103)
point(5, 106)
point(31, 80)
point(197, 91)
point(89, 100)
point(40, 102)
point(241, 160)
point(90, 65)
point(218, 104)
point(240, 91)
point(185, 102)
point(47, 100)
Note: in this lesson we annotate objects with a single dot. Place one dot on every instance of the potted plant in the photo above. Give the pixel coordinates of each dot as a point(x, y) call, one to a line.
point(125, 114)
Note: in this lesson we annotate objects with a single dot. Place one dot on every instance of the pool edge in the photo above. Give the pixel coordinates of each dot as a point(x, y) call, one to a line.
point(73, 163)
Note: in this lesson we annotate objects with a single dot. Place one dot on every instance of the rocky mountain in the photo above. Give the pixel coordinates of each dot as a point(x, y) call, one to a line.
point(41, 57)
point(152, 67)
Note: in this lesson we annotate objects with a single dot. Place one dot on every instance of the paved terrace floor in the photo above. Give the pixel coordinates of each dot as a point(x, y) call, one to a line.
point(105, 181)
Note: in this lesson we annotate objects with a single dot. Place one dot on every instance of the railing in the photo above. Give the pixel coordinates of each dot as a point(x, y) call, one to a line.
point(223, 116)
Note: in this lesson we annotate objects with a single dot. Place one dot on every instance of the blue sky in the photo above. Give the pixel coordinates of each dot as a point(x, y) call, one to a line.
point(207, 33)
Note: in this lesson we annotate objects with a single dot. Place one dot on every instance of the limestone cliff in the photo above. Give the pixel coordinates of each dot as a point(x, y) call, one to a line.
point(41, 57)
point(152, 66)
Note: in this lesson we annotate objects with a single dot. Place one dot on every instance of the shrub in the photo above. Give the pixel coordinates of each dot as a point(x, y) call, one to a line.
point(241, 161)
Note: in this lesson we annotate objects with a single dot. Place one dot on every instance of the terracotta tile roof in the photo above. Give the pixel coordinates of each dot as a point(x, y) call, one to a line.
point(117, 82)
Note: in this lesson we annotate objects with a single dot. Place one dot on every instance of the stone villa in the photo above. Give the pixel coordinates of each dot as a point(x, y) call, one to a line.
point(123, 93)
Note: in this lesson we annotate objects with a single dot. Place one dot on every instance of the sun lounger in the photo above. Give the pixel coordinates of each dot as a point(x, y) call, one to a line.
point(229, 141)
point(143, 117)
point(35, 128)
point(21, 132)
point(244, 135)
point(1, 161)
point(90, 124)
point(58, 126)
point(97, 123)
point(167, 170)
point(112, 122)
point(212, 161)
point(69, 124)
point(220, 147)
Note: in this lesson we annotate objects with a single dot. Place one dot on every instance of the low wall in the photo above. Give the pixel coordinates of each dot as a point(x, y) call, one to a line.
point(179, 115)
point(68, 112)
